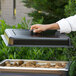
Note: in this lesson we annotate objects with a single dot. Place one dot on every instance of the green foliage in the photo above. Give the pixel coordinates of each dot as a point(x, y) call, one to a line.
point(70, 9)
point(50, 10)
point(73, 69)
point(25, 24)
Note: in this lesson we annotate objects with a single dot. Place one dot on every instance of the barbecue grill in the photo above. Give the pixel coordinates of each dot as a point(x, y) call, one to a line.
point(27, 38)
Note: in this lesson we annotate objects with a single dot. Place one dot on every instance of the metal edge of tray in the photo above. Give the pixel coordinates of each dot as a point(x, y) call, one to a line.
point(52, 46)
point(26, 68)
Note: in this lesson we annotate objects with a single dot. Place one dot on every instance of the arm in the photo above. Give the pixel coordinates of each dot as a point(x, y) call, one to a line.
point(64, 25)
point(68, 24)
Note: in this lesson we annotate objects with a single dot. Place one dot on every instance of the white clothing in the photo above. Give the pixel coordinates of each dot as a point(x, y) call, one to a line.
point(67, 25)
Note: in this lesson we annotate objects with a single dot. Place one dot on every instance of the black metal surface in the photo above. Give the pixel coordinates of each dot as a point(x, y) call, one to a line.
point(49, 38)
point(5, 41)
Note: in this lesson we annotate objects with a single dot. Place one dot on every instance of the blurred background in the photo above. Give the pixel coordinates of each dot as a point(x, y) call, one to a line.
point(13, 10)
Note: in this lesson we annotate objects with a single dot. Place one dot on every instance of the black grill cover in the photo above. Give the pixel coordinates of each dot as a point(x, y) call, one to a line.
point(49, 38)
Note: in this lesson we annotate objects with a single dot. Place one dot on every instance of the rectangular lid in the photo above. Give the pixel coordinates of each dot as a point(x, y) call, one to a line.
point(49, 38)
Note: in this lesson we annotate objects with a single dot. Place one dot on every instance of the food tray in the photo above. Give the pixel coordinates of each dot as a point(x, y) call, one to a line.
point(19, 69)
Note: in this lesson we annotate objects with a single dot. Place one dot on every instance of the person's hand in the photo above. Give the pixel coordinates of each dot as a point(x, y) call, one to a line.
point(37, 28)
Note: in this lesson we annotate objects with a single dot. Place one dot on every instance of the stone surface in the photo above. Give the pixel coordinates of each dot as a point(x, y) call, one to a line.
point(7, 11)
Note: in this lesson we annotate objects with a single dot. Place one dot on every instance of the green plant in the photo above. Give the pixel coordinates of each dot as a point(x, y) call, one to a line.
point(73, 69)
point(25, 24)
point(70, 10)
point(50, 10)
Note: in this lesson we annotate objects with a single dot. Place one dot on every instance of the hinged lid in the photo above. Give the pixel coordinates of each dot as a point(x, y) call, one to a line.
point(26, 38)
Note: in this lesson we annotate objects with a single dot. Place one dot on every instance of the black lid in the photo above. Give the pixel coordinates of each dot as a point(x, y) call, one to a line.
point(26, 38)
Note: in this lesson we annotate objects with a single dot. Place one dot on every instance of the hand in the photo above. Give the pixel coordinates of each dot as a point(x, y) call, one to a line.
point(37, 28)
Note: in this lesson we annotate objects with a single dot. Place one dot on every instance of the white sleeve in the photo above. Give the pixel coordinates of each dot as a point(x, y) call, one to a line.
point(67, 24)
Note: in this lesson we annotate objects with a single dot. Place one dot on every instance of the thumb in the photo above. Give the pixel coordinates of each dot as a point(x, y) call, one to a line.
point(36, 31)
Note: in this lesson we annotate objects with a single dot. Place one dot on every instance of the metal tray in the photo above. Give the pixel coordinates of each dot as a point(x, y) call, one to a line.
point(59, 71)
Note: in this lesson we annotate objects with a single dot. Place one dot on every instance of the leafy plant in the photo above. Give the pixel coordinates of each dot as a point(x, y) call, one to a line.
point(50, 10)
point(70, 10)
point(72, 71)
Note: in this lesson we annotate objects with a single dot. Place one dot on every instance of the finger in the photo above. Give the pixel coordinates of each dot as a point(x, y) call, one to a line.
point(36, 31)
point(35, 26)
